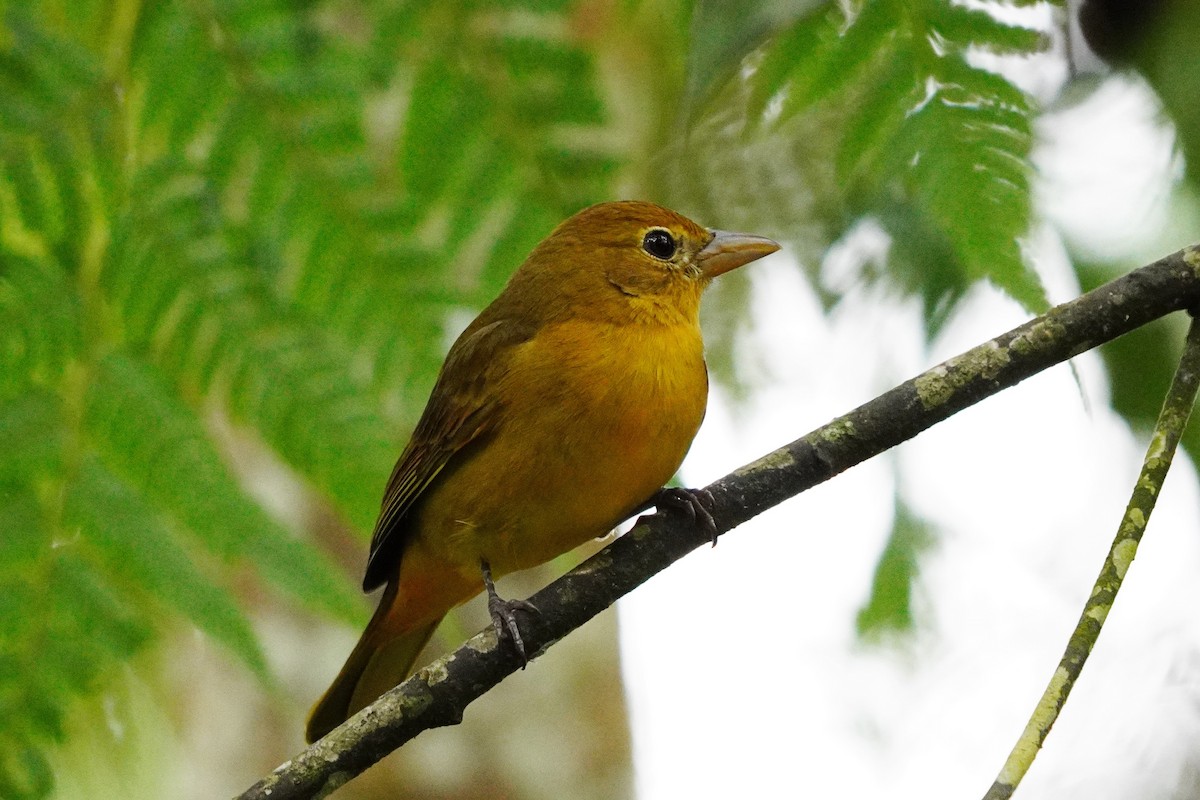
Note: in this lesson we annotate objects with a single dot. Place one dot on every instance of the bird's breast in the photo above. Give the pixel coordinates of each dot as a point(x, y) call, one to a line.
point(634, 388)
point(595, 419)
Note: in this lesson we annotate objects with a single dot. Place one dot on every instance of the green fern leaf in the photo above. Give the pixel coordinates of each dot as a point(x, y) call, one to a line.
point(160, 447)
point(62, 631)
point(31, 437)
point(926, 129)
point(207, 206)
point(885, 104)
point(962, 27)
point(25, 774)
point(888, 610)
point(143, 556)
point(40, 329)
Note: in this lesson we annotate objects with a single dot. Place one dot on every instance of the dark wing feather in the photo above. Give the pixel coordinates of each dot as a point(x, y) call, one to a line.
point(462, 406)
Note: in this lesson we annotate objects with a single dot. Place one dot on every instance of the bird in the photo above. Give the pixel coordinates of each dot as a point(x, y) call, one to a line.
point(559, 412)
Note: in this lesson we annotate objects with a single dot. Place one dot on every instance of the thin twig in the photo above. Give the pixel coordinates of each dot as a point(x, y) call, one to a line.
point(1171, 421)
point(438, 694)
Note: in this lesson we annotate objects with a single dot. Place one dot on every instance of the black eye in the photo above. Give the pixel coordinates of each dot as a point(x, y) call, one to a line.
point(659, 243)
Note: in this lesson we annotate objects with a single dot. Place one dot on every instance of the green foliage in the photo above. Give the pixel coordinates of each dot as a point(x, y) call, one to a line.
point(888, 609)
point(260, 212)
point(933, 147)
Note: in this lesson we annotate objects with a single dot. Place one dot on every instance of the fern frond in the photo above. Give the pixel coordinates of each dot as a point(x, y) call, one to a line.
point(925, 128)
point(40, 323)
point(189, 302)
point(961, 27)
point(138, 554)
point(159, 446)
point(249, 210)
point(302, 188)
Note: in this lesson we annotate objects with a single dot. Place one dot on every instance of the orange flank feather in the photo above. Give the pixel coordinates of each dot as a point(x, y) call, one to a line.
point(560, 411)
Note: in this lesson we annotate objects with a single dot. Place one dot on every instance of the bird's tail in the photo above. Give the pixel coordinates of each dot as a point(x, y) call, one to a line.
point(383, 657)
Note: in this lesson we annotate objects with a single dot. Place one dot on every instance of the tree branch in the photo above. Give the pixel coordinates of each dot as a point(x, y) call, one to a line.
point(438, 694)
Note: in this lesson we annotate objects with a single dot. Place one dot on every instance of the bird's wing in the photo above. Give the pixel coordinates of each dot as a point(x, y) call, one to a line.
point(462, 407)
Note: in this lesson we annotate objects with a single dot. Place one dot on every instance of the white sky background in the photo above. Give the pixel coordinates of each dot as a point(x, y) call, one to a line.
point(743, 671)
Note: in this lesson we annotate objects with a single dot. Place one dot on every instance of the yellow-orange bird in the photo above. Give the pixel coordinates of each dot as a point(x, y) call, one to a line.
point(559, 412)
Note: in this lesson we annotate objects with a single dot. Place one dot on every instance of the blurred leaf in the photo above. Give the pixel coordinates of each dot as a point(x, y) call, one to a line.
point(723, 31)
point(24, 773)
point(31, 437)
point(143, 556)
point(933, 147)
point(821, 57)
point(963, 27)
point(39, 324)
point(888, 610)
point(158, 445)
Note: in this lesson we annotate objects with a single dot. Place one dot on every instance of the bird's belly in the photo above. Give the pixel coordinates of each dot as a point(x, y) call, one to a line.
point(577, 454)
point(565, 501)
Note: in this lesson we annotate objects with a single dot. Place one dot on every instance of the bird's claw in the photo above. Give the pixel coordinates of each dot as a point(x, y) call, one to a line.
point(693, 502)
point(504, 616)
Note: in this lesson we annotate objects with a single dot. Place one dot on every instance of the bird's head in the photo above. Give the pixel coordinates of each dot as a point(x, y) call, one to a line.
point(636, 259)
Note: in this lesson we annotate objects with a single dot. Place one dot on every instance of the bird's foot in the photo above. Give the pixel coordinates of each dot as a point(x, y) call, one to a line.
point(503, 612)
point(692, 502)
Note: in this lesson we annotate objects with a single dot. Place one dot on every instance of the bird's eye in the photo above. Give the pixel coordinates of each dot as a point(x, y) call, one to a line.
point(659, 243)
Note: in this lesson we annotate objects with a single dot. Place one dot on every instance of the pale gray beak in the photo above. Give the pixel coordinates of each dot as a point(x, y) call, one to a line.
point(728, 251)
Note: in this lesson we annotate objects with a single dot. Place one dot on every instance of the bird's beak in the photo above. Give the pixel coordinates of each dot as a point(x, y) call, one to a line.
point(728, 251)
